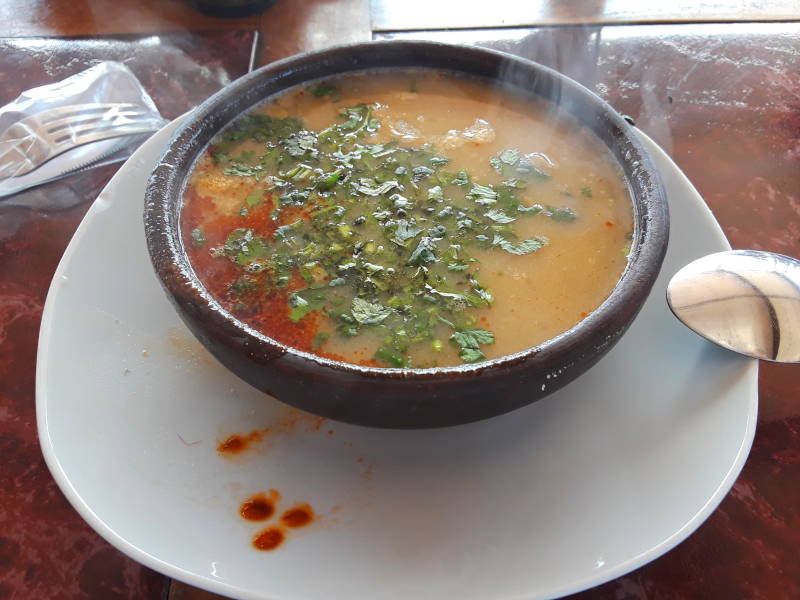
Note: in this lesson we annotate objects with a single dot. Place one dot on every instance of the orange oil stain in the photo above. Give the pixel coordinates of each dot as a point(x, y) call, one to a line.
point(298, 516)
point(291, 422)
point(262, 507)
point(268, 539)
point(259, 507)
point(239, 442)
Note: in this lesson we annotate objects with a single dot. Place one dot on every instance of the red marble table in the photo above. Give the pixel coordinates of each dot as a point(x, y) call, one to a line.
point(723, 100)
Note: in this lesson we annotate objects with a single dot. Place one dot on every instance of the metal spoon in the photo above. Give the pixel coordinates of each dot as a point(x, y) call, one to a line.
point(744, 300)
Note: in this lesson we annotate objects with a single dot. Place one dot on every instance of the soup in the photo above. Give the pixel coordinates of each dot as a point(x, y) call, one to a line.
point(407, 219)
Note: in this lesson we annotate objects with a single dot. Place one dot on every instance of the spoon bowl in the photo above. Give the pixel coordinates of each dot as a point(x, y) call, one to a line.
point(747, 301)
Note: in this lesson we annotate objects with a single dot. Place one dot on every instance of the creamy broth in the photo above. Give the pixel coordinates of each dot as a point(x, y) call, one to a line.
point(542, 267)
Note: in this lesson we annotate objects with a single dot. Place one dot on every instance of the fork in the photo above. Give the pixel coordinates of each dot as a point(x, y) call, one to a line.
point(34, 140)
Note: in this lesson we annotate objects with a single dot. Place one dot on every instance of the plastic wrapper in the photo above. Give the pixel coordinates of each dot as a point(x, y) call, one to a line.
point(105, 83)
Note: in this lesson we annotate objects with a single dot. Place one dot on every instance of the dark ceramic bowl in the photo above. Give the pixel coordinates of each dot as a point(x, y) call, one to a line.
point(403, 397)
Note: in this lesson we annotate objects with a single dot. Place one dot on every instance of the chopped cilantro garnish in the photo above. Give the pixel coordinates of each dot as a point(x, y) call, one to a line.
point(564, 215)
point(243, 170)
point(369, 313)
point(329, 180)
point(359, 119)
point(515, 183)
point(405, 231)
point(471, 355)
point(284, 231)
point(482, 194)
point(509, 157)
point(626, 249)
point(370, 187)
point(470, 341)
point(421, 172)
point(523, 247)
point(424, 253)
point(498, 216)
point(532, 210)
point(435, 194)
point(299, 307)
point(391, 357)
point(325, 89)
point(241, 286)
point(262, 128)
point(243, 247)
point(301, 144)
point(385, 241)
point(303, 302)
point(517, 167)
point(473, 338)
point(320, 339)
point(460, 178)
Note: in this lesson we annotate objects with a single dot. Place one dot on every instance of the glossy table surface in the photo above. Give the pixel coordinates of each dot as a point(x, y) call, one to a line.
point(723, 99)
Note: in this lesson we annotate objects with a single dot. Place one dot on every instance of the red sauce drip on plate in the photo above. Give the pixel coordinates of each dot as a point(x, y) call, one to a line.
point(261, 507)
point(268, 539)
point(298, 516)
point(257, 508)
point(237, 443)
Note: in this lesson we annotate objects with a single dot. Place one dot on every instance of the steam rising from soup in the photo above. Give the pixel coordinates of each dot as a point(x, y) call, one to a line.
point(407, 219)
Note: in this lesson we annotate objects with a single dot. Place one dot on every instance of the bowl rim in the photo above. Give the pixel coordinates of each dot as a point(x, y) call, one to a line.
point(642, 268)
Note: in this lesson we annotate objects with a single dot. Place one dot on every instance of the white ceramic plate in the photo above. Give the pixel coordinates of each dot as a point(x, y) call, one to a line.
point(562, 495)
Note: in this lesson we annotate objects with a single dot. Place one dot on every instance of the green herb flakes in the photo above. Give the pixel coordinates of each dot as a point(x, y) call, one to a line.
point(241, 286)
point(262, 128)
point(242, 170)
point(405, 231)
point(370, 187)
point(421, 172)
point(498, 216)
point(393, 358)
point(385, 242)
point(325, 89)
point(460, 178)
point(482, 194)
point(509, 157)
point(563, 215)
point(520, 248)
point(435, 194)
point(320, 339)
point(470, 341)
point(299, 307)
point(369, 313)
point(424, 253)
